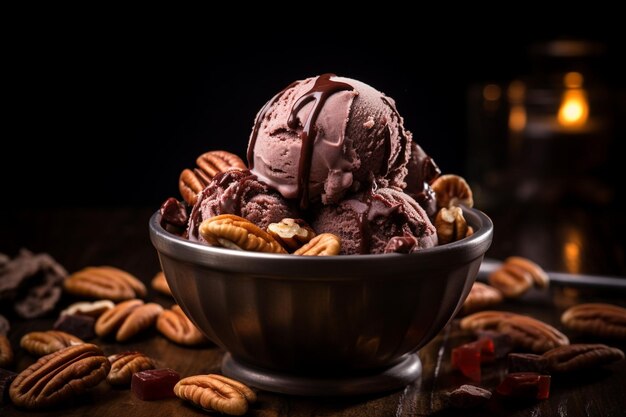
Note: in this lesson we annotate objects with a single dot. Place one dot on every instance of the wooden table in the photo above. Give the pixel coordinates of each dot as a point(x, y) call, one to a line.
point(119, 237)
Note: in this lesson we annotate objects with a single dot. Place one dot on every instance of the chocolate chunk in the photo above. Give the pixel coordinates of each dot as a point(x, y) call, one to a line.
point(6, 377)
point(154, 384)
point(4, 326)
point(76, 324)
point(502, 342)
point(173, 216)
point(31, 283)
point(527, 362)
point(468, 396)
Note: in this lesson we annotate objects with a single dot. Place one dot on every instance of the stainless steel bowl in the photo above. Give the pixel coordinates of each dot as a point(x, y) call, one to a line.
point(315, 325)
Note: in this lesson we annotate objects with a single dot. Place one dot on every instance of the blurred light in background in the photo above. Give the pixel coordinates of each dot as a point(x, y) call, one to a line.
point(574, 109)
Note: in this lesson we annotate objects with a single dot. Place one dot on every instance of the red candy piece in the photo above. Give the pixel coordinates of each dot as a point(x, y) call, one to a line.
point(154, 384)
point(468, 357)
point(525, 385)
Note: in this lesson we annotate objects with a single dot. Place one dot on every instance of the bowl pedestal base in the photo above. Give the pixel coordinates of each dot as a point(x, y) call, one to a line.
point(397, 376)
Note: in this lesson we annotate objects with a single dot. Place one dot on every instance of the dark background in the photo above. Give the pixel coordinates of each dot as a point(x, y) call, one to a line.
point(101, 120)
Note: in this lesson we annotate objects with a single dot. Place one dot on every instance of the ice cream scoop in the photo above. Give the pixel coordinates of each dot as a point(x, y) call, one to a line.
point(323, 137)
point(239, 192)
point(377, 221)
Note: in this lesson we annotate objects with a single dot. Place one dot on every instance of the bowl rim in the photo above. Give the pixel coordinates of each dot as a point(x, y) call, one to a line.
point(455, 253)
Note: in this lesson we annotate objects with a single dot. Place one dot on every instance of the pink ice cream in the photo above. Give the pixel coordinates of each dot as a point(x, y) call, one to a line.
point(240, 193)
point(377, 221)
point(324, 137)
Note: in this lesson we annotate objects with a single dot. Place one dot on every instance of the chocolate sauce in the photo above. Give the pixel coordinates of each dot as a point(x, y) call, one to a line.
point(365, 218)
point(259, 120)
point(323, 88)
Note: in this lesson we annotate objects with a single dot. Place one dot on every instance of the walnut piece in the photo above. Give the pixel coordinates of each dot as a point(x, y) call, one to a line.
point(291, 233)
point(59, 376)
point(216, 392)
point(451, 225)
point(234, 232)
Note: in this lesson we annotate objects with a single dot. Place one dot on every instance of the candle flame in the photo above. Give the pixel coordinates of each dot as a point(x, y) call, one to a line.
point(574, 109)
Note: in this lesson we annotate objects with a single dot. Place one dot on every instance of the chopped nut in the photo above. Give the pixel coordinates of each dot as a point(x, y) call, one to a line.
point(452, 190)
point(451, 225)
point(234, 232)
point(291, 233)
point(216, 392)
point(325, 244)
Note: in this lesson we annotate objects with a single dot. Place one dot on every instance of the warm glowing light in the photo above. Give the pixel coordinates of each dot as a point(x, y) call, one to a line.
point(572, 249)
point(574, 109)
point(492, 92)
point(516, 92)
point(517, 118)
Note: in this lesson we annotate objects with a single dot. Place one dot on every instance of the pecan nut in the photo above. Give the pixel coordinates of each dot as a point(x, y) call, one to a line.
point(177, 327)
point(85, 308)
point(539, 276)
point(452, 190)
point(59, 376)
point(579, 357)
point(596, 319)
point(104, 282)
point(480, 297)
point(291, 233)
point(191, 182)
point(451, 225)
point(325, 244)
point(127, 319)
point(234, 232)
point(125, 364)
point(44, 343)
point(6, 353)
point(159, 283)
point(525, 332)
point(511, 280)
point(216, 392)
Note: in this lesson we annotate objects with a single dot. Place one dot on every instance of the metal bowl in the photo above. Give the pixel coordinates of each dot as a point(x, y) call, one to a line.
point(322, 325)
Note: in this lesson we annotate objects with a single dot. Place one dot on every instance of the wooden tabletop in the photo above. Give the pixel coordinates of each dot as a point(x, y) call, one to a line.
point(119, 237)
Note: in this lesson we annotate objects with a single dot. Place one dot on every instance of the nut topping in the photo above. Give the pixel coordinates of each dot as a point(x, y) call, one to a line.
point(85, 308)
point(291, 233)
point(526, 332)
point(325, 244)
point(59, 376)
point(511, 280)
point(44, 343)
point(216, 392)
point(104, 282)
point(452, 190)
point(451, 225)
point(596, 319)
point(175, 325)
point(127, 319)
point(539, 276)
point(210, 164)
point(480, 297)
point(234, 232)
point(579, 357)
point(125, 364)
point(160, 284)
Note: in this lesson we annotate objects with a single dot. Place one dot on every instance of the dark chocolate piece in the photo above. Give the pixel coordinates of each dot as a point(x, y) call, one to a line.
point(468, 396)
point(527, 362)
point(77, 324)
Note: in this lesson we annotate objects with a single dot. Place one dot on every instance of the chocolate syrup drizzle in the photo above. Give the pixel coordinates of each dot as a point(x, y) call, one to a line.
point(323, 88)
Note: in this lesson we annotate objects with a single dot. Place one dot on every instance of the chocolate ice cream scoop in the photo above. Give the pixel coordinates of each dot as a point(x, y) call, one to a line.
point(323, 137)
point(239, 192)
point(377, 221)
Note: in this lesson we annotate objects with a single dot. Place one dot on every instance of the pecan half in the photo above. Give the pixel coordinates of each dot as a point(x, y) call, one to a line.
point(325, 244)
point(6, 353)
point(177, 327)
point(104, 282)
point(59, 376)
point(125, 364)
point(159, 283)
point(596, 319)
point(291, 233)
point(452, 190)
point(234, 232)
point(526, 332)
point(85, 308)
point(113, 319)
point(140, 319)
point(191, 182)
point(480, 297)
point(580, 357)
point(44, 343)
point(216, 392)
point(511, 280)
point(451, 225)
point(539, 276)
